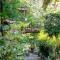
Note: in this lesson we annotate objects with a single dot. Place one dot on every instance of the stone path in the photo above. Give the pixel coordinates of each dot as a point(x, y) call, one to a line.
point(32, 57)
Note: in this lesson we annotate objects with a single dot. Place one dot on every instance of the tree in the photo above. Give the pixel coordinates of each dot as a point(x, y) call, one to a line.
point(52, 24)
point(46, 3)
point(10, 9)
point(1, 10)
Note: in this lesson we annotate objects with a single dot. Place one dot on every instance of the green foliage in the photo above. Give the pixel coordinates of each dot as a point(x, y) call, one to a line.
point(49, 46)
point(45, 38)
point(11, 51)
point(2, 42)
point(52, 24)
point(10, 9)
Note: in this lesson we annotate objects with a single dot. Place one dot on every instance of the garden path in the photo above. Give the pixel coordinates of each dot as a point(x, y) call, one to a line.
point(32, 57)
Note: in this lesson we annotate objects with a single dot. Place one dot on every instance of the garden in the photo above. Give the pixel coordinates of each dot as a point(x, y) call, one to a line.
point(29, 28)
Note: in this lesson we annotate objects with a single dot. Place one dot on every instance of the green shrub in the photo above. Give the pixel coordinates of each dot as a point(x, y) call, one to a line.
point(11, 51)
point(52, 24)
point(48, 46)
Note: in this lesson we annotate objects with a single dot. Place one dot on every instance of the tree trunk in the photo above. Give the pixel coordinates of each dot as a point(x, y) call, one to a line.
point(1, 18)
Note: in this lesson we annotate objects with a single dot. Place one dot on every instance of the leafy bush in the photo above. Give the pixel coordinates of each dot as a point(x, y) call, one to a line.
point(52, 24)
point(48, 46)
point(11, 50)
